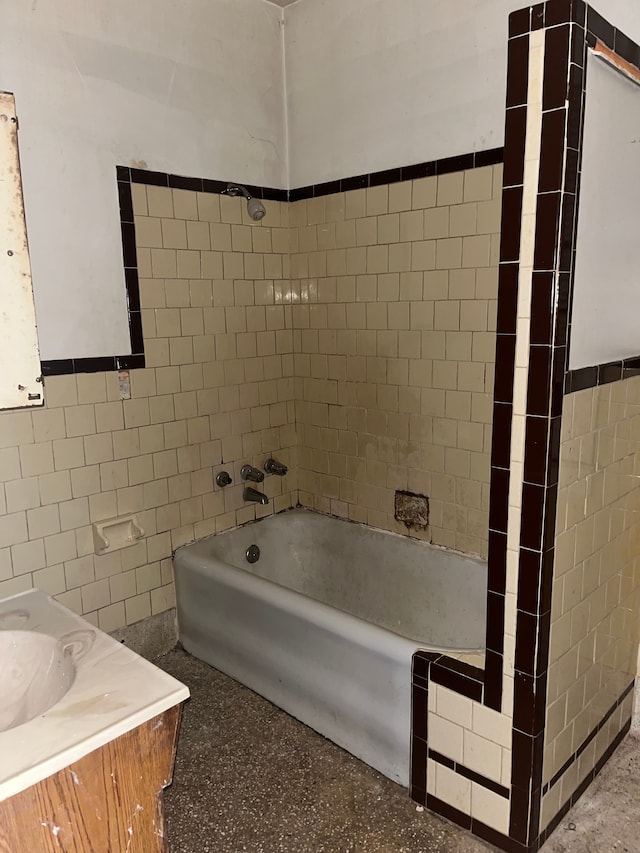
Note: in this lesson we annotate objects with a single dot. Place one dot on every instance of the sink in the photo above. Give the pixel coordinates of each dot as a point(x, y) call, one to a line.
point(36, 671)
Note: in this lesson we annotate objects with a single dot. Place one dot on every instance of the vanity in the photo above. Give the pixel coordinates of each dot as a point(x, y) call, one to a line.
point(88, 733)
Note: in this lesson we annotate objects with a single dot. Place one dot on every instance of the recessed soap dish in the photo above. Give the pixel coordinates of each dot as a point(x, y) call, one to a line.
point(110, 534)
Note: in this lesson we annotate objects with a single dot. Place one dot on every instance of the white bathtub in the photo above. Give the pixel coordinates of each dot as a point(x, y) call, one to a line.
point(325, 623)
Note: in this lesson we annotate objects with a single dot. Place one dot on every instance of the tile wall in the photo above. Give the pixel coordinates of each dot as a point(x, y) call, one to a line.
point(395, 291)
point(378, 350)
point(217, 392)
point(596, 590)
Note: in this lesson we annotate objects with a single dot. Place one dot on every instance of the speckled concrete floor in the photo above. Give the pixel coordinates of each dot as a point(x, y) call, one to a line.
point(249, 777)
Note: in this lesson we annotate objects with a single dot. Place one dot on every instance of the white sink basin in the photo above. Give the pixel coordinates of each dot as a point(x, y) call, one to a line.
point(36, 671)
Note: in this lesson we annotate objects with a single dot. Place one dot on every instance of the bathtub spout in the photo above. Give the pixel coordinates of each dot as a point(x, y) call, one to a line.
point(254, 495)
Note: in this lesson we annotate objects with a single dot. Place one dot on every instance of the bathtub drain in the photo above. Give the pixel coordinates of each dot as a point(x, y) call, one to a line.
point(252, 554)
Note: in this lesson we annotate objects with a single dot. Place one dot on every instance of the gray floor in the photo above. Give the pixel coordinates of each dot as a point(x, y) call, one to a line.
point(250, 778)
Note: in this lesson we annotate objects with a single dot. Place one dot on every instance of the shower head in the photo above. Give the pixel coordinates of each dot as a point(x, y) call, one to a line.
point(254, 206)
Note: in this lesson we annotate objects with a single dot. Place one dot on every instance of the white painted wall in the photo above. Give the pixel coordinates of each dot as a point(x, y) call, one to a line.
point(191, 88)
point(606, 295)
point(373, 84)
point(197, 88)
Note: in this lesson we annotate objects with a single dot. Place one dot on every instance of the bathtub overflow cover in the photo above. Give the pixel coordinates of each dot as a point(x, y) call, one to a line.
point(253, 554)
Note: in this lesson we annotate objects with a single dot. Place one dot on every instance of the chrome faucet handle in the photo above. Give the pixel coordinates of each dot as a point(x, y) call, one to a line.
point(272, 466)
point(248, 472)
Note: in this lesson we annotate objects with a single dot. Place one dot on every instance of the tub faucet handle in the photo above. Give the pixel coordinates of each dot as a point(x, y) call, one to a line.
point(248, 472)
point(223, 479)
point(272, 466)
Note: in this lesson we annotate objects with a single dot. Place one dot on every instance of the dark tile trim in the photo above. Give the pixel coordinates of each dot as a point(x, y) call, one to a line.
point(126, 176)
point(601, 374)
point(64, 366)
point(585, 743)
point(474, 160)
point(461, 770)
point(584, 784)
point(557, 206)
point(476, 827)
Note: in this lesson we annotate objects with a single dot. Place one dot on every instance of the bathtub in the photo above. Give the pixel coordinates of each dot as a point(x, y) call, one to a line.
point(324, 624)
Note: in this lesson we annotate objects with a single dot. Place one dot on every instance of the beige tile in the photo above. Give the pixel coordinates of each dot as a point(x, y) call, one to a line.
point(159, 202)
point(28, 557)
point(55, 487)
point(478, 184)
point(436, 223)
point(139, 199)
point(185, 204)
point(208, 207)
point(377, 200)
point(476, 251)
point(462, 220)
point(448, 253)
point(424, 193)
point(198, 235)
point(400, 196)
point(148, 232)
point(36, 458)
point(451, 189)
point(22, 494)
point(47, 425)
point(111, 617)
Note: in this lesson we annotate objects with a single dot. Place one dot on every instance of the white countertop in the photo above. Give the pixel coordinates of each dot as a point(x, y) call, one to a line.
point(114, 691)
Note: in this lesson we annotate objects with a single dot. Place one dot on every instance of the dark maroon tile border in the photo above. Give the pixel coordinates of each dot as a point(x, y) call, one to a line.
point(461, 770)
point(584, 784)
point(443, 166)
point(585, 743)
point(570, 26)
point(601, 374)
point(126, 176)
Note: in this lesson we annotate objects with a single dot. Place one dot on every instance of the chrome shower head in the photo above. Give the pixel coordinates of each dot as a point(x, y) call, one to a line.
point(255, 207)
